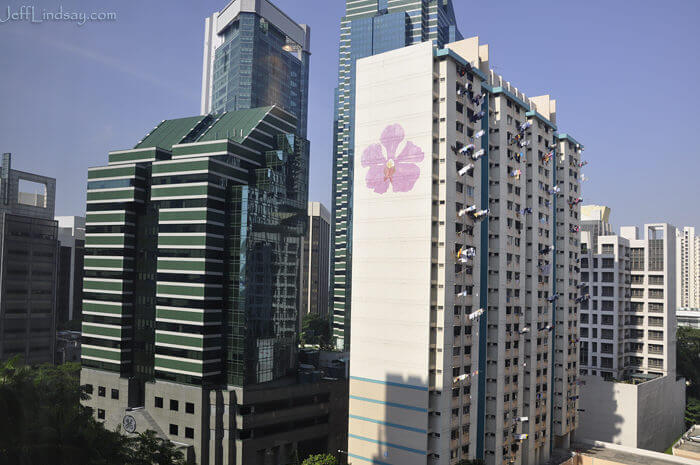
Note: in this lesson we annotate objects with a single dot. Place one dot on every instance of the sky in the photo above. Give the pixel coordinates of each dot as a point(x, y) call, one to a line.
point(625, 76)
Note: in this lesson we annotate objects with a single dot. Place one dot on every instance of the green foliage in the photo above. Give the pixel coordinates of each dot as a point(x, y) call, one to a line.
point(43, 422)
point(688, 358)
point(320, 459)
point(692, 412)
point(315, 330)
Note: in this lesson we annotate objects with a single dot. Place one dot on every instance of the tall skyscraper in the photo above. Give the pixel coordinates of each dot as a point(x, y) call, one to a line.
point(28, 259)
point(316, 261)
point(71, 237)
point(688, 268)
point(191, 291)
point(369, 27)
point(464, 275)
point(255, 56)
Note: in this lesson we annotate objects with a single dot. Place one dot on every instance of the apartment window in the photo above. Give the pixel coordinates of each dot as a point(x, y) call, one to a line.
point(656, 293)
point(608, 249)
point(174, 405)
point(655, 307)
point(656, 321)
point(115, 393)
point(459, 126)
point(656, 254)
point(189, 433)
point(637, 279)
point(656, 335)
point(637, 258)
point(606, 334)
point(173, 429)
point(607, 291)
point(656, 280)
point(88, 388)
point(101, 391)
point(100, 414)
point(159, 402)
point(460, 107)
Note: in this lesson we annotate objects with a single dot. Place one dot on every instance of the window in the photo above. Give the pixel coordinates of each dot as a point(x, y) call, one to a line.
point(656, 280)
point(88, 388)
point(189, 407)
point(174, 405)
point(608, 249)
point(101, 391)
point(115, 393)
point(656, 293)
point(173, 429)
point(159, 402)
point(189, 433)
point(100, 414)
point(637, 259)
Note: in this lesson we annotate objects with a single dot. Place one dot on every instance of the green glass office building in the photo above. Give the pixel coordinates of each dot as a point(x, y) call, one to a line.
point(369, 27)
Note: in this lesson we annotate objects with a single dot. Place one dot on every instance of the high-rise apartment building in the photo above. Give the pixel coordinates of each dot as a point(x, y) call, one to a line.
point(688, 268)
point(651, 325)
point(595, 219)
point(191, 290)
point(316, 261)
point(69, 289)
point(28, 258)
point(255, 56)
point(605, 277)
point(369, 27)
point(465, 276)
point(628, 324)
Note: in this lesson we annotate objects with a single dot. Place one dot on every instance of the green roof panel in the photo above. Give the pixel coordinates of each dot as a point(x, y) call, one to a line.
point(170, 132)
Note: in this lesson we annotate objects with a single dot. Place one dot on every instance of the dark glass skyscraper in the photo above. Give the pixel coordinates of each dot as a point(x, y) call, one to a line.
point(254, 56)
point(369, 27)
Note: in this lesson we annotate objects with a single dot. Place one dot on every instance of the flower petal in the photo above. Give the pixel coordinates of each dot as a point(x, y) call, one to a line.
point(405, 177)
point(391, 138)
point(376, 179)
point(411, 153)
point(373, 155)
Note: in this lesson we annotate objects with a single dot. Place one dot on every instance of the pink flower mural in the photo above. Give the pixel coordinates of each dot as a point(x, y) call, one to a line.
point(400, 171)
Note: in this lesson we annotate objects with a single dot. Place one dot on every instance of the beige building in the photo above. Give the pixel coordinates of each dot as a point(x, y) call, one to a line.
point(465, 320)
point(688, 268)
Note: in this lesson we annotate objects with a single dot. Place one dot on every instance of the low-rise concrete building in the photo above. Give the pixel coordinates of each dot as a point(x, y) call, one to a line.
point(648, 415)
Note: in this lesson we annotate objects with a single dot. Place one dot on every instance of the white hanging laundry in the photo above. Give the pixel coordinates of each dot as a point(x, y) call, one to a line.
point(479, 154)
point(476, 314)
point(460, 378)
point(465, 169)
point(462, 294)
point(526, 329)
point(526, 125)
point(478, 135)
point(522, 419)
point(467, 148)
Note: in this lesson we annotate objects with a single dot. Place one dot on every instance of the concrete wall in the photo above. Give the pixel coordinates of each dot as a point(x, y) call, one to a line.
point(392, 258)
point(647, 416)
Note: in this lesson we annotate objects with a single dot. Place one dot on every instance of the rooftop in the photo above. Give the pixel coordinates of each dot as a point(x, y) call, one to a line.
point(623, 457)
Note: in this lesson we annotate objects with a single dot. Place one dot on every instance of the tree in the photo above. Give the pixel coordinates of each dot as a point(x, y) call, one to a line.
point(692, 412)
point(320, 459)
point(315, 330)
point(44, 422)
point(688, 358)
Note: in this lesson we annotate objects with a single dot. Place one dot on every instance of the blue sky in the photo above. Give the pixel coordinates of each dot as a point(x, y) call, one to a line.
point(625, 75)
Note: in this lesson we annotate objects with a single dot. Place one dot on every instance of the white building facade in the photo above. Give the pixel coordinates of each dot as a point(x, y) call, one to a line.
point(688, 268)
point(466, 216)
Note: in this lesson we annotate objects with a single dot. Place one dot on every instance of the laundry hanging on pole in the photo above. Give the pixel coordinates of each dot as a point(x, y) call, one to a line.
point(546, 249)
point(477, 155)
point(462, 294)
point(457, 147)
point(478, 135)
point(552, 298)
point(481, 214)
point(477, 116)
point(525, 126)
point(516, 174)
point(524, 143)
point(555, 190)
point(476, 314)
point(574, 228)
point(526, 329)
point(464, 170)
point(582, 164)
